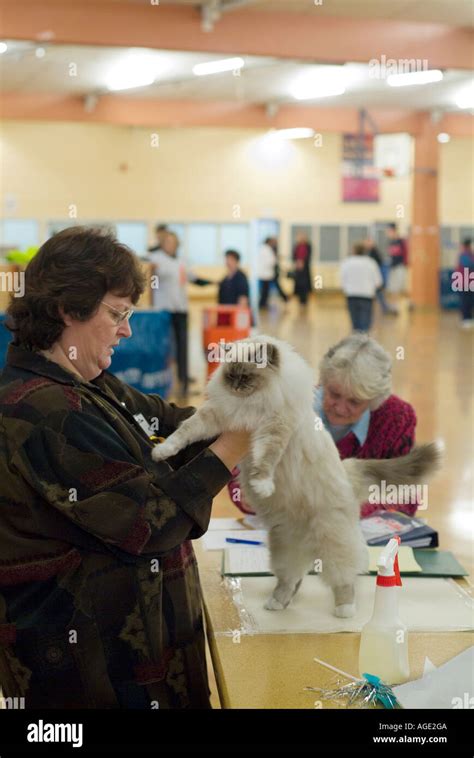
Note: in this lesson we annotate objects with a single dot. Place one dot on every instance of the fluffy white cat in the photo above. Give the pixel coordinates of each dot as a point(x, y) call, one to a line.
point(293, 477)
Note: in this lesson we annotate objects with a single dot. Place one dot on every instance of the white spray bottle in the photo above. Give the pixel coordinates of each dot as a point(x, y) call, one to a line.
point(384, 639)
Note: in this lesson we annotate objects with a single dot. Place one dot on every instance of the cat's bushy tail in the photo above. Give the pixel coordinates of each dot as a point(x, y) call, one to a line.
point(408, 470)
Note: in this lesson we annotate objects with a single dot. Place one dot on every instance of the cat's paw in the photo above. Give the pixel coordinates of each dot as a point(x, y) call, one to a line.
point(273, 604)
point(345, 611)
point(262, 487)
point(163, 451)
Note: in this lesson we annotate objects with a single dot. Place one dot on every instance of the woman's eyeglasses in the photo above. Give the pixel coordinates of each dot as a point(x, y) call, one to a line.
point(119, 316)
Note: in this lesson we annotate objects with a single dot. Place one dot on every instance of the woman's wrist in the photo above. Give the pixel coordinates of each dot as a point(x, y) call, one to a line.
point(231, 447)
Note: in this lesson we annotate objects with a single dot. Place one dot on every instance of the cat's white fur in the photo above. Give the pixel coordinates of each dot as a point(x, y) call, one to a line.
point(293, 476)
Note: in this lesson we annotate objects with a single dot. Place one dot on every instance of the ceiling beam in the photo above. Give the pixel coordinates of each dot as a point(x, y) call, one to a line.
point(302, 36)
point(127, 111)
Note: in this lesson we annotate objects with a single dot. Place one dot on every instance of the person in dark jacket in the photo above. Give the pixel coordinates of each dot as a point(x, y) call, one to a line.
point(234, 288)
point(100, 600)
point(466, 292)
point(273, 242)
point(398, 252)
point(161, 230)
point(302, 267)
point(374, 253)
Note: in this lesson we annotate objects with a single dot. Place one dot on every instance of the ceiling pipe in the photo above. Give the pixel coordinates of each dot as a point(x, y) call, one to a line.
point(213, 10)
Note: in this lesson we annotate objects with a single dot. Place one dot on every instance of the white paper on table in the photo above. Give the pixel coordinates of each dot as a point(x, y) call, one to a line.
point(216, 540)
point(425, 604)
point(225, 523)
point(251, 559)
point(449, 686)
point(247, 560)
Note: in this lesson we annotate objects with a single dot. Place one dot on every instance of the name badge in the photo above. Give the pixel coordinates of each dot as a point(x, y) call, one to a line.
point(143, 424)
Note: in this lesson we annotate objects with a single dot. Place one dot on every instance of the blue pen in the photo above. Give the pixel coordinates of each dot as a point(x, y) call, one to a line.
point(243, 542)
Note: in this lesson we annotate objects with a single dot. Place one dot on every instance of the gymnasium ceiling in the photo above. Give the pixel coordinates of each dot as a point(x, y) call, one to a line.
point(39, 66)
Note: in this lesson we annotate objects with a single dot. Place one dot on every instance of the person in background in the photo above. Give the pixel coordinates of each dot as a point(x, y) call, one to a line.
point(171, 295)
point(374, 253)
point(302, 270)
point(398, 251)
point(266, 271)
point(161, 230)
point(234, 288)
point(273, 242)
point(466, 296)
point(360, 280)
point(355, 403)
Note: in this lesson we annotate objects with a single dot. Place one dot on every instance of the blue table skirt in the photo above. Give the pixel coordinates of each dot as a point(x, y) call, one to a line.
point(143, 361)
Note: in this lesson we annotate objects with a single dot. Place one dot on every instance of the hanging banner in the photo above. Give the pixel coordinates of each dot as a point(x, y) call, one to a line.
point(360, 182)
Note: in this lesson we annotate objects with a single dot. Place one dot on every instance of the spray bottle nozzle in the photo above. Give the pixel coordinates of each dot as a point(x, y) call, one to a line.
point(387, 564)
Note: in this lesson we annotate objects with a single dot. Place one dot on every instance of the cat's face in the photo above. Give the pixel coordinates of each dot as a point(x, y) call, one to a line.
point(246, 377)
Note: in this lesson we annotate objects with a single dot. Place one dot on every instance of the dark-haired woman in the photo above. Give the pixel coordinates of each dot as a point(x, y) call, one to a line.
point(100, 603)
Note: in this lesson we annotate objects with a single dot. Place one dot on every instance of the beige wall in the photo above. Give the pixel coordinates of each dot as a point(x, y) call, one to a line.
point(200, 174)
point(456, 188)
point(194, 173)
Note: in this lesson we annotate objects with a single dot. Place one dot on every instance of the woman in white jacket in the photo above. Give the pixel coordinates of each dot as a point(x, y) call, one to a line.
point(266, 271)
point(360, 280)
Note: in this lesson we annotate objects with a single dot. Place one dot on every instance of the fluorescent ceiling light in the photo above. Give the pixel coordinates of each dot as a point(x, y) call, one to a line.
point(129, 80)
point(466, 99)
point(443, 137)
point(317, 90)
point(319, 81)
point(216, 67)
point(300, 132)
point(3, 47)
point(136, 70)
point(414, 77)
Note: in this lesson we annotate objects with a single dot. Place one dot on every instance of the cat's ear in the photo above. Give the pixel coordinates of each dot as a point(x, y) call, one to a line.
point(273, 355)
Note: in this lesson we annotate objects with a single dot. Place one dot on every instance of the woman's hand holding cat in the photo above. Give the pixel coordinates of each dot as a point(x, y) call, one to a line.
point(231, 447)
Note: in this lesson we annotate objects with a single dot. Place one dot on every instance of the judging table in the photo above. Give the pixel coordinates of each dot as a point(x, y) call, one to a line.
point(272, 670)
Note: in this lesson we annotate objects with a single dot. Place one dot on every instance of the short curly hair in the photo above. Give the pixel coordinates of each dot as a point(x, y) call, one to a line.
point(72, 271)
point(360, 365)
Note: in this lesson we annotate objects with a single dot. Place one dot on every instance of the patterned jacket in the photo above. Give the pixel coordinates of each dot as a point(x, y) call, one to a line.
point(100, 601)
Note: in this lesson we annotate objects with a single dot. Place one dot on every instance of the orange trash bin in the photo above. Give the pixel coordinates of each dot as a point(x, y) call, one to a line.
point(224, 322)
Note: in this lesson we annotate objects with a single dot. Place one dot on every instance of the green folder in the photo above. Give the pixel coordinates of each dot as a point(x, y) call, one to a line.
point(436, 562)
point(433, 562)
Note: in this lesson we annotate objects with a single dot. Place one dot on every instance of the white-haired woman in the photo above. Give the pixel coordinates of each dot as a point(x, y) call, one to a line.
point(355, 403)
